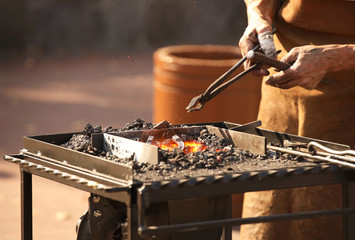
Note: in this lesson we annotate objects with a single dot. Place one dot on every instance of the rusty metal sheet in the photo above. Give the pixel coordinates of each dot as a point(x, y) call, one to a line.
point(253, 143)
point(126, 148)
point(49, 146)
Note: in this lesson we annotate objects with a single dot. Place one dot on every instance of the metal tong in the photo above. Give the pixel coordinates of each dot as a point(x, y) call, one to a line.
point(218, 86)
point(323, 153)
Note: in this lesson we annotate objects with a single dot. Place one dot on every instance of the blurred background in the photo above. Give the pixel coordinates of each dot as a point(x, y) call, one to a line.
point(64, 63)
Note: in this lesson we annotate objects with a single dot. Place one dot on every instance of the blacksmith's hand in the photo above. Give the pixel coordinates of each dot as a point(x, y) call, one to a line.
point(259, 30)
point(309, 65)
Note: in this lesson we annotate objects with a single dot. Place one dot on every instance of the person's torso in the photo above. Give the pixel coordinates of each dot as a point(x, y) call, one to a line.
point(318, 22)
point(330, 108)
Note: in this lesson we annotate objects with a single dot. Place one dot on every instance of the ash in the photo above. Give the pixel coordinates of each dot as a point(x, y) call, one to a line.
point(218, 153)
point(219, 157)
point(82, 141)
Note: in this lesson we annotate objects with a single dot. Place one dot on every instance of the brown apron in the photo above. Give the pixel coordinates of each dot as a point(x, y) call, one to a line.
point(327, 113)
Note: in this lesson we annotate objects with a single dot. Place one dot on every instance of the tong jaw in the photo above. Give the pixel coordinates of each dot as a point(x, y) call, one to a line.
point(196, 103)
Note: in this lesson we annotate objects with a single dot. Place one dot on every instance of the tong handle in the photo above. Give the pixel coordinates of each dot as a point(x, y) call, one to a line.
point(261, 58)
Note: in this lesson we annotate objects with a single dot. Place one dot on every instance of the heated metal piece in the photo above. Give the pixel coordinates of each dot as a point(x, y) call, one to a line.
point(179, 142)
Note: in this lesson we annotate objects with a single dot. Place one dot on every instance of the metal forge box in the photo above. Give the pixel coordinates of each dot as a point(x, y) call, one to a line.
point(126, 204)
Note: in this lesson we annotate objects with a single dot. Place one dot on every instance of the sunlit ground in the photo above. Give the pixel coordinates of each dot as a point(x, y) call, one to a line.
point(61, 95)
point(55, 96)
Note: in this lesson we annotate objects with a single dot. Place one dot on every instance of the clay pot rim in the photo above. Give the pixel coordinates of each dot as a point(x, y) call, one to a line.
point(179, 54)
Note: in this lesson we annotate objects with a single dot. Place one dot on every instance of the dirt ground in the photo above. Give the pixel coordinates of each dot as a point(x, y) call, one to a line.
point(59, 95)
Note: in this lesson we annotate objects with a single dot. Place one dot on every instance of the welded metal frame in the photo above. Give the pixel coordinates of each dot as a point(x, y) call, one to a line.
point(26, 205)
point(65, 166)
point(29, 166)
point(254, 182)
point(142, 197)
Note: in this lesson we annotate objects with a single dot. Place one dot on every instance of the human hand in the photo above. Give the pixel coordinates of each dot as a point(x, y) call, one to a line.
point(261, 15)
point(309, 64)
point(258, 32)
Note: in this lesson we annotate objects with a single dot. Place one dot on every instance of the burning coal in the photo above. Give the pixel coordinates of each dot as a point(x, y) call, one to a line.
point(187, 146)
point(199, 154)
point(179, 152)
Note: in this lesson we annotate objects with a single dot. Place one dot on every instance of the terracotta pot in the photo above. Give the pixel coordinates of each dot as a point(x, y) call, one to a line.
point(183, 72)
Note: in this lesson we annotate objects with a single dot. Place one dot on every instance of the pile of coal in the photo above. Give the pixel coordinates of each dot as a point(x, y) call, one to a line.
point(82, 141)
point(137, 124)
point(219, 152)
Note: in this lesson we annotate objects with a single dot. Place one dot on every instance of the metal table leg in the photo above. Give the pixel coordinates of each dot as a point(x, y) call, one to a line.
point(26, 205)
point(132, 220)
point(227, 230)
point(349, 201)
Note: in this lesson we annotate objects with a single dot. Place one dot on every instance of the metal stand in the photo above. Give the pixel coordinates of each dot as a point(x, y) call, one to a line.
point(26, 205)
point(134, 210)
point(349, 201)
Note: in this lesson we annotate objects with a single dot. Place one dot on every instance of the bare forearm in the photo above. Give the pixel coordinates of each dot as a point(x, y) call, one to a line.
point(309, 65)
point(261, 13)
point(340, 56)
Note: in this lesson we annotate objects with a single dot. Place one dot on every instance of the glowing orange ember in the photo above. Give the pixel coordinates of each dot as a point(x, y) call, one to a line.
point(194, 146)
point(190, 146)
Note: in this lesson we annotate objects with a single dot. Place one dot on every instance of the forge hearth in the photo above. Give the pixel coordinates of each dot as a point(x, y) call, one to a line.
point(224, 151)
point(190, 144)
point(175, 197)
